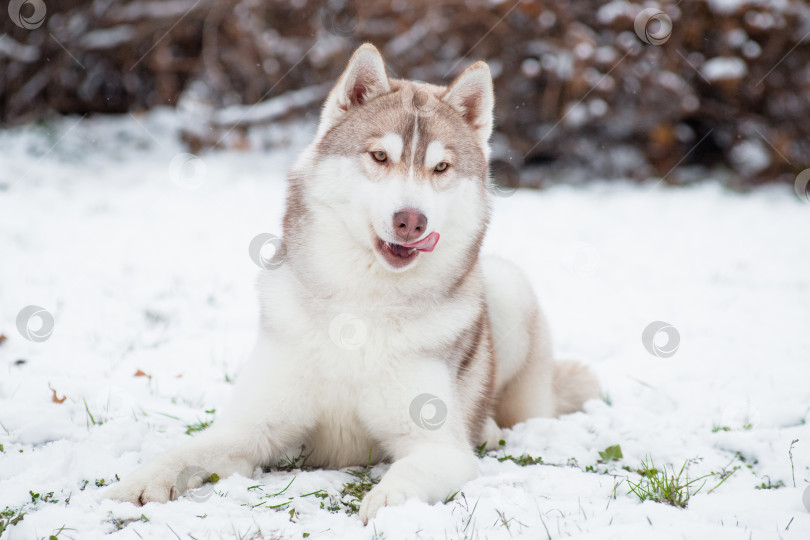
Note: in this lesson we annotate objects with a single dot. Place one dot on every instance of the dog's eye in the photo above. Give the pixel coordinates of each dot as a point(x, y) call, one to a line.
point(441, 167)
point(380, 156)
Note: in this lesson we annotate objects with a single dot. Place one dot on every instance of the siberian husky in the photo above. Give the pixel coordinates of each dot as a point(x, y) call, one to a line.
point(384, 335)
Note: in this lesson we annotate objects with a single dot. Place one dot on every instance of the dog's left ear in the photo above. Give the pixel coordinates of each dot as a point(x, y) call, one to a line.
point(362, 80)
point(473, 96)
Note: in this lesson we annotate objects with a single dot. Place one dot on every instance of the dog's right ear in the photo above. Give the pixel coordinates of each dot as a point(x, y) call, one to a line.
point(364, 78)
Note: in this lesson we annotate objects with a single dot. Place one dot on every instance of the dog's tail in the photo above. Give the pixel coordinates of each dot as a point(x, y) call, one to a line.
point(574, 384)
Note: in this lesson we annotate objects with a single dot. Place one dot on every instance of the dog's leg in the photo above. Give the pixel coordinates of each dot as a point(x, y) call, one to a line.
point(529, 393)
point(421, 427)
point(266, 416)
point(221, 450)
point(426, 471)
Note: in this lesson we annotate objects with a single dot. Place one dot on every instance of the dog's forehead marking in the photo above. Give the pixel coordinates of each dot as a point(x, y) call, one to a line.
point(392, 143)
point(434, 153)
point(414, 141)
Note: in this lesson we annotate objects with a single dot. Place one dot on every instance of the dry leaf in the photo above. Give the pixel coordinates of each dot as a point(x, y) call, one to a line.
point(57, 399)
point(140, 373)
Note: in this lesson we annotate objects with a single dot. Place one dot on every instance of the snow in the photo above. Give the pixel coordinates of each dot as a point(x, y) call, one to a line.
point(751, 49)
point(724, 68)
point(530, 67)
point(161, 9)
point(108, 38)
point(272, 108)
point(728, 7)
point(615, 9)
point(576, 114)
point(18, 51)
point(750, 156)
point(736, 37)
point(142, 272)
point(403, 43)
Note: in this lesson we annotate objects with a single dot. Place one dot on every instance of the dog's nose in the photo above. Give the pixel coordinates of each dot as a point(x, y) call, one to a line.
point(409, 224)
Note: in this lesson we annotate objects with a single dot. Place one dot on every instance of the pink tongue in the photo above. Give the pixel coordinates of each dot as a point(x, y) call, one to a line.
point(425, 244)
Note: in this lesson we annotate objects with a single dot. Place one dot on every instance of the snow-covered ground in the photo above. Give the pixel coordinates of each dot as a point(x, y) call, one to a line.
point(146, 270)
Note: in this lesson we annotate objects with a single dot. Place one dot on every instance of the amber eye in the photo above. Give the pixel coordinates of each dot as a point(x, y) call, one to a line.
point(441, 167)
point(380, 156)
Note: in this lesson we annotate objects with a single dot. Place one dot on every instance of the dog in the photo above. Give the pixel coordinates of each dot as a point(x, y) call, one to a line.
point(384, 335)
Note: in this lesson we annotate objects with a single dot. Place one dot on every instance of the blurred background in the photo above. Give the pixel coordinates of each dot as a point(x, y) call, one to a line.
point(585, 89)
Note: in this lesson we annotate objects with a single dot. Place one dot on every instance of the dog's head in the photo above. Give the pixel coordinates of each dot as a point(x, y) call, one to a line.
point(398, 172)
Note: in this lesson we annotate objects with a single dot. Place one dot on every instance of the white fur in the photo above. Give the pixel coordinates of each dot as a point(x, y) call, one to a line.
point(392, 144)
point(434, 154)
point(414, 142)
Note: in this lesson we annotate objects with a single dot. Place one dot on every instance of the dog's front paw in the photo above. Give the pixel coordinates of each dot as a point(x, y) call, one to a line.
point(386, 493)
point(156, 484)
point(139, 490)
